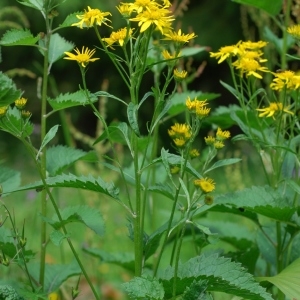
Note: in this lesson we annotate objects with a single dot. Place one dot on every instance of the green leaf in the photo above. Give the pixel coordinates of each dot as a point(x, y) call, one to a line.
point(132, 111)
point(71, 99)
point(232, 90)
point(190, 51)
point(18, 37)
point(70, 19)
point(61, 157)
point(13, 123)
point(9, 179)
point(57, 46)
point(166, 108)
point(221, 274)
point(55, 274)
point(81, 214)
point(196, 291)
point(57, 237)
point(8, 91)
point(48, 137)
point(122, 259)
point(288, 280)
point(8, 292)
point(272, 7)
point(37, 4)
point(163, 189)
point(222, 163)
point(108, 95)
point(140, 288)
point(89, 183)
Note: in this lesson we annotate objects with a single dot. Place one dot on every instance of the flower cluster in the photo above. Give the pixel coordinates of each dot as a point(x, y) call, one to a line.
point(207, 185)
point(248, 57)
point(198, 107)
point(180, 133)
point(285, 80)
point(218, 141)
point(272, 109)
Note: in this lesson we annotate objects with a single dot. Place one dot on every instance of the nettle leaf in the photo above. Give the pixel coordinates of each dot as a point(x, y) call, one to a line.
point(61, 157)
point(17, 37)
point(178, 100)
point(55, 274)
point(261, 200)
point(57, 46)
point(272, 7)
point(144, 288)
point(8, 91)
point(222, 163)
point(13, 123)
point(71, 99)
point(288, 280)
point(221, 274)
point(196, 291)
point(9, 179)
point(89, 183)
point(81, 214)
point(57, 237)
point(122, 259)
point(70, 19)
point(132, 110)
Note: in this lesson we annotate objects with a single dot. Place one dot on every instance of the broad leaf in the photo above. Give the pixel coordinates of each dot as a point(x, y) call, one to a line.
point(61, 157)
point(9, 179)
point(57, 237)
point(221, 274)
point(144, 288)
point(196, 291)
point(82, 214)
point(37, 4)
point(8, 91)
point(57, 46)
point(17, 37)
point(71, 99)
point(89, 183)
point(272, 7)
point(122, 259)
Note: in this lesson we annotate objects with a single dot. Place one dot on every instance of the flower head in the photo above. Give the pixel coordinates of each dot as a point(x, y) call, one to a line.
point(125, 9)
point(285, 79)
point(250, 67)
point(274, 108)
point(83, 57)
point(20, 103)
point(3, 110)
point(179, 37)
point(119, 36)
point(294, 31)
point(222, 135)
point(207, 185)
point(194, 153)
point(92, 17)
point(226, 52)
point(198, 107)
point(180, 133)
point(180, 75)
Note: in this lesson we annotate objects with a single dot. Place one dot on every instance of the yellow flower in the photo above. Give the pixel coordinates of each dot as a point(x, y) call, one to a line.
point(25, 114)
point(3, 110)
point(272, 109)
point(92, 17)
point(180, 75)
point(294, 31)
point(119, 36)
point(226, 52)
point(167, 56)
point(253, 45)
point(250, 67)
point(20, 103)
point(159, 17)
point(180, 130)
point(207, 185)
point(222, 135)
point(142, 5)
point(202, 111)
point(83, 57)
point(194, 153)
point(53, 296)
point(174, 170)
point(179, 142)
point(125, 9)
point(284, 79)
point(210, 140)
point(192, 105)
point(218, 144)
point(179, 37)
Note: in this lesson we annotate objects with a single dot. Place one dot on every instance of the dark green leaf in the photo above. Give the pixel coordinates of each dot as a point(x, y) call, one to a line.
point(132, 111)
point(223, 162)
point(18, 37)
point(58, 45)
point(9, 179)
point(37, 4)
point(8, 91)
point(70, 19)
point(272, 7)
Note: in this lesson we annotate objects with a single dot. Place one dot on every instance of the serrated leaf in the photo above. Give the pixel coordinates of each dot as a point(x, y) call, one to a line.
point(89, 183)
point(8, 91)
point(288, 280)
point(222, 163)
point(196, 291)
point(57, 237)
point(55, 274)
point(37, 4)
point(221, 273)
point(13, 123)
point(18, 37)
point(132, 111)
point(272, 7)
point(144, 288)
point(122, 259)
point(61, 157)
point(9, 179)
point(70, 19)
point(82, 214)
point(57, 46)
point(71, 99)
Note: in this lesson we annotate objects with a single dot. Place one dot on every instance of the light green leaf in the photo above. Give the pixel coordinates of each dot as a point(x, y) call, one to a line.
point(57, 237)
point(140, 288)
point(8, 91)
point(166, 108)
point(9, 179)
point(18, 37)
point(164, 189)
point(61, 157)
point(272, 7)
point(48, 137)
point(82, 214)
point(89, 183)
point(190, 51)
point(108, 95)
point(222, 163)
point(132, 111)
point(71, 99)
point(57, 46)
point(122, 259)
point(288, 280)
point(13, 123)
point(70, 19)
point(55, 274)
point(221, 274)
point(37, 4)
